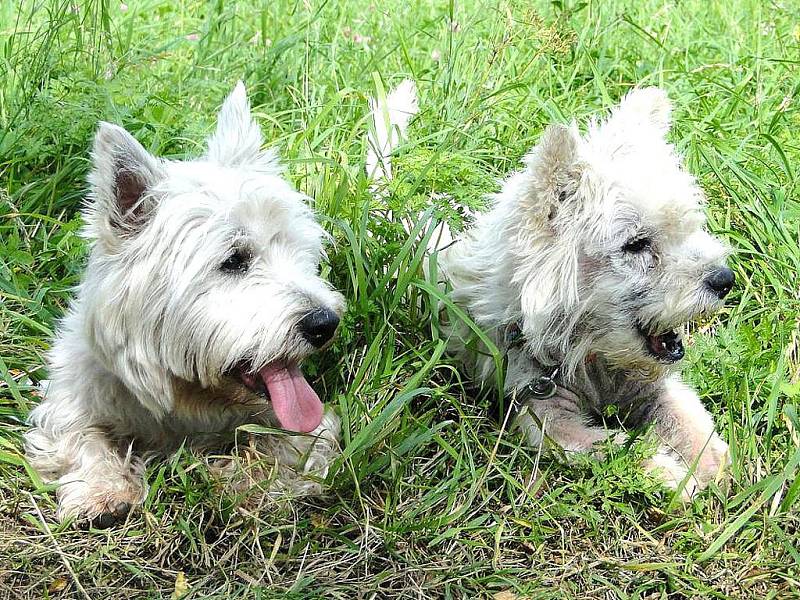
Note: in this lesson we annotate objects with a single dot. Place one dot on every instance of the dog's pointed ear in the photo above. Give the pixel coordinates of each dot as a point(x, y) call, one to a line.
point(552, 173)
point(122, 174)
point(642, 109)
point(237, 139)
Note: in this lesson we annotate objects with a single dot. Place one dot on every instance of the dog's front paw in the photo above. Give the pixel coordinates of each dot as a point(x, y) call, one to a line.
point(289, 464)
point(325, 447)
point(97, 506)
point(672, 472)
point(714, 460)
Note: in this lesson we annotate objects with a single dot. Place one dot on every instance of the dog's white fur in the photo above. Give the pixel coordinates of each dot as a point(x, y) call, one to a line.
point(141, 361)
point(548, 258)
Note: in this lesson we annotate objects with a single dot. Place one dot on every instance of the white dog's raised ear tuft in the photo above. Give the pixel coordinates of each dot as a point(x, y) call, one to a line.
point(122, 174)
point(237, 140)
point(551, 171)
point(644, 107)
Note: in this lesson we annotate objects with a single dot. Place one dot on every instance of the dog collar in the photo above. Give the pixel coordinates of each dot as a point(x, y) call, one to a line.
point(545, 385)
point(513, 335)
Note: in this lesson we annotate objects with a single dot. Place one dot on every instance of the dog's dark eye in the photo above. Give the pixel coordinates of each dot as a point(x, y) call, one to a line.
point(238, 262)
point(636, 245)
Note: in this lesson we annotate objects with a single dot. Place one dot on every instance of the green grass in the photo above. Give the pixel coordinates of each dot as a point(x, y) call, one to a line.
point(431, 499)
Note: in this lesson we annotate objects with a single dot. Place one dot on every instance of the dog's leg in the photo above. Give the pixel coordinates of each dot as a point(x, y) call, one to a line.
point(311, 454)
point(564, 423)
point(684, 425)
point(97, 482)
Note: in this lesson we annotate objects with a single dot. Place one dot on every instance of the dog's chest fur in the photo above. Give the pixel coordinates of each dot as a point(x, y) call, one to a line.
point(200, 417)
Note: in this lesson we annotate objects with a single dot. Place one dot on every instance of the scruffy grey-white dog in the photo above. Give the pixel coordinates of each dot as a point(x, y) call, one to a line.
point(584, 273)
point(199, 302)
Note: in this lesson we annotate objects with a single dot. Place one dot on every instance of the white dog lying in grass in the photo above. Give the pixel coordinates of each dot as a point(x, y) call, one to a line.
point(200, 300)
point(584, 273)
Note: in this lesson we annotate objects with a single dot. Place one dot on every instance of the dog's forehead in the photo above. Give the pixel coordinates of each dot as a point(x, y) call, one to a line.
point(253, 201)
point(669, 205)
point(653, 190)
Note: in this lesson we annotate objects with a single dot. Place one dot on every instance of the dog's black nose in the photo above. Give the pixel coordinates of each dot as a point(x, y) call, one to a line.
point(318, 326)
point(720, 281)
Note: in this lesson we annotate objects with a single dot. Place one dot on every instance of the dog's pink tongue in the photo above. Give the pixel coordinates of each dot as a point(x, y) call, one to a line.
point(296, 405)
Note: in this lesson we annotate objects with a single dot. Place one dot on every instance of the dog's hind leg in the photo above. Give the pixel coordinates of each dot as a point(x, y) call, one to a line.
point(98, 481)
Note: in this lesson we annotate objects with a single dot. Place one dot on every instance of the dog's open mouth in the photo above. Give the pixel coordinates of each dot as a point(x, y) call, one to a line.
point(296, 405)
point(666, 346)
